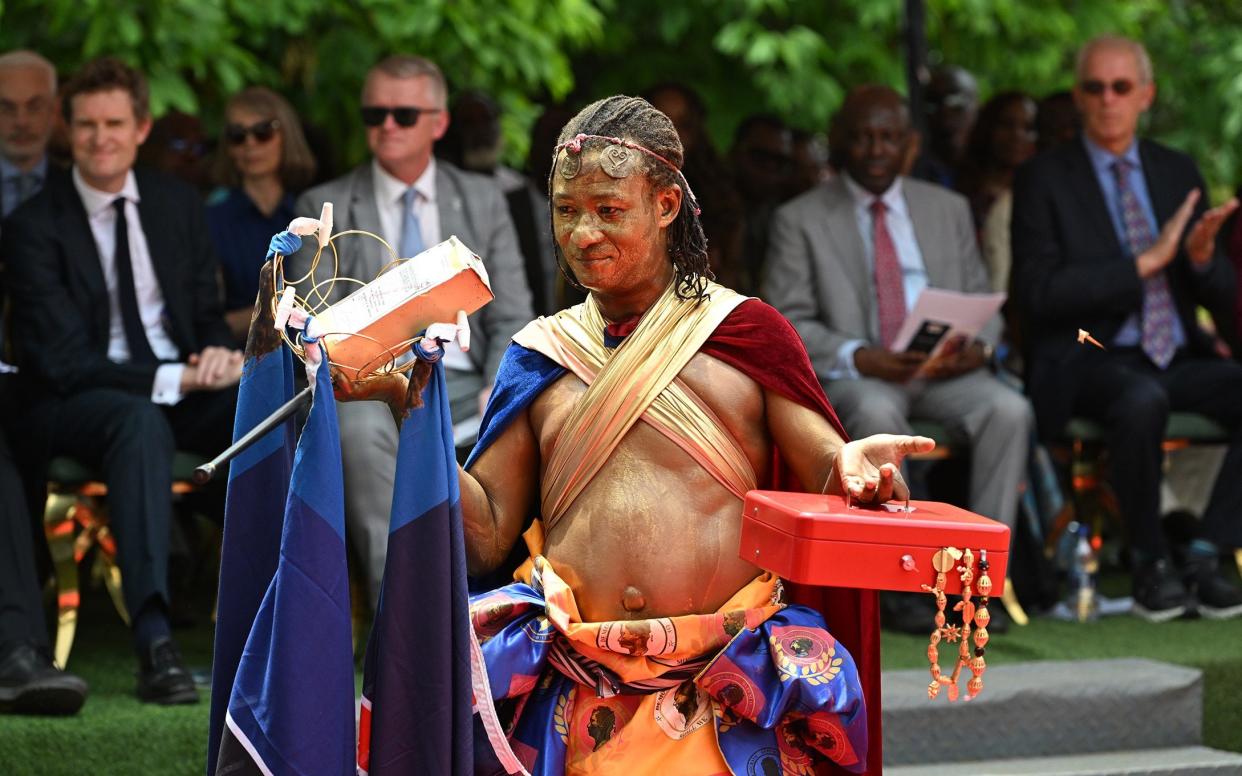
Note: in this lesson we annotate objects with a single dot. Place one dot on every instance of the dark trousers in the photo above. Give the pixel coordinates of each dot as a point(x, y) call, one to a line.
point(21, 605)
point(1133, 399)
point(131, 441)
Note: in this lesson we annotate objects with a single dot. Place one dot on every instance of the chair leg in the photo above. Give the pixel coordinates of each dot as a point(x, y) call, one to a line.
point(105, 566)
point(58, 524)
point(1014, 609)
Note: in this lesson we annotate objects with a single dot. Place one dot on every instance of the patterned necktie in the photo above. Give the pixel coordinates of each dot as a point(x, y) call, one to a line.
point(131, 320)
point(27, 186)
point(1158, 309)
point(890, 295)
point(411, 232)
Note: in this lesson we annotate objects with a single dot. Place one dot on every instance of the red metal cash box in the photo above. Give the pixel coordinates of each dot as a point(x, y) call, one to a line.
point(818, 540)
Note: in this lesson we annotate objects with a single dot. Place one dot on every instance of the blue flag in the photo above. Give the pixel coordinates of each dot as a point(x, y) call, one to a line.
point(416, 691)
point(257, 487)
point(291, 710)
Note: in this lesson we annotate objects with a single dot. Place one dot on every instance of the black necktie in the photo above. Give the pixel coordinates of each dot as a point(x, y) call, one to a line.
point(135, 334)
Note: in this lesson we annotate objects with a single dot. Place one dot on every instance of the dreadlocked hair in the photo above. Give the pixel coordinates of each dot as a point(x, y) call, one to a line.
point(634, 119)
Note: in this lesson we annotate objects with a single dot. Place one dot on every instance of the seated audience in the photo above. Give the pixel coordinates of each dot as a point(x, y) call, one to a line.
point(710, 179)
point(265, 162)
point(1003, 138)
point(763, 166)
point(124, 354)
point(1056, 121)
point(951, 101)
point(847, 261)
point(1112, 234)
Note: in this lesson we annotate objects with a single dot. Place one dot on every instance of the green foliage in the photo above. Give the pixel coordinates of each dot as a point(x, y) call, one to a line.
point(198, 52)
point(795, 58)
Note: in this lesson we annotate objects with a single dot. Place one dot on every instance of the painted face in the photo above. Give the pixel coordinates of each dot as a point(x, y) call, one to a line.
point(27, 113)
point(1111, 96)
point(611, 230)
point(104, 135)
point(262, 144)
point(875, 147)
point(393, 145)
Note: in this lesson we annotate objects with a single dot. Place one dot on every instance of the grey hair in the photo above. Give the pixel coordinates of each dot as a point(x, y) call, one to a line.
point(1146, 73)
point(412, 66)
point(13, 60)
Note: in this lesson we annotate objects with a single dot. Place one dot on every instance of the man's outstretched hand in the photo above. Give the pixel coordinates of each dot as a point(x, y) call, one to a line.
point(868, 470)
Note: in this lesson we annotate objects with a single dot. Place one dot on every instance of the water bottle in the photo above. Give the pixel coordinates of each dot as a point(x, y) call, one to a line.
point(1084, 601)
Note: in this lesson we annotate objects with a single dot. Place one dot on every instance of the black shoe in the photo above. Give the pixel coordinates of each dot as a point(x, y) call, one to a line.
point(30, 684)
point(162, 677)
point(1159, 595)
point(1220, 598)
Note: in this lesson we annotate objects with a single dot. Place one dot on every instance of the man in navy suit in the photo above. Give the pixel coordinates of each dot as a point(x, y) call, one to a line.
point(1112, 234)
point(124, 353)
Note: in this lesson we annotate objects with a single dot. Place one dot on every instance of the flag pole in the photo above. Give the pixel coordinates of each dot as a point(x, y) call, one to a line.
point(204, 473)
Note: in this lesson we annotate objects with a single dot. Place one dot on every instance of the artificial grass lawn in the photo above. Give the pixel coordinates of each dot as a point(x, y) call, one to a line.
point(115, 734)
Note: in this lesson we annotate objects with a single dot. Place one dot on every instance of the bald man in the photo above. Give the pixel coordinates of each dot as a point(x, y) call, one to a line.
point(27, 116)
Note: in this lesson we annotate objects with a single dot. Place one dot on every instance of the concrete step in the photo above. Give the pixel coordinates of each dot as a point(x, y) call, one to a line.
point(1042, 709)
point(1180, 761)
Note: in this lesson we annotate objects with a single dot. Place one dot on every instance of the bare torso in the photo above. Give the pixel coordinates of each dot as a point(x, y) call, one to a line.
point(654, 534)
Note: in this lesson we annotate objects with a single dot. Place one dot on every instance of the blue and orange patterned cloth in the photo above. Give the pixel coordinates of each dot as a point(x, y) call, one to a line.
point(758, 687)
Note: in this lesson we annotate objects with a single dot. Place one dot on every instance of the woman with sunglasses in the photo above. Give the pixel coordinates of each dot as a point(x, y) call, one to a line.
point(264, 161)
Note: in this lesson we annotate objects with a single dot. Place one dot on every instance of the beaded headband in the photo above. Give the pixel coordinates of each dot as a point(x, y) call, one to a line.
point(616, 160)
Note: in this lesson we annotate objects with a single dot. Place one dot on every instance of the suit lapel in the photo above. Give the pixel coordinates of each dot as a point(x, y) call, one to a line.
point(846, 242)
point(1164, 198)
point(160, 242)
point(72, 224)
point(364, 258)
point(929, 235)
point(452, 209)
point(1081, 179)
point(81, 254)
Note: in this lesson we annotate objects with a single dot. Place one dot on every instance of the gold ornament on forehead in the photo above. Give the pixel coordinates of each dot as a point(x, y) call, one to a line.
point(617, 161)
point(571, 164)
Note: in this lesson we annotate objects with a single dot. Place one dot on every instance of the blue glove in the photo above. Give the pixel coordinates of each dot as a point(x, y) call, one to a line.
point(286, 243)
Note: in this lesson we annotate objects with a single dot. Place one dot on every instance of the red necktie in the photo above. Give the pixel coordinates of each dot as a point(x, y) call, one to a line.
point(890, 295)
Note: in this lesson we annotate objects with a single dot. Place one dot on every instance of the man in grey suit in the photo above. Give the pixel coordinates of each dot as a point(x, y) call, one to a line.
point(846, 262)
point(413, 201)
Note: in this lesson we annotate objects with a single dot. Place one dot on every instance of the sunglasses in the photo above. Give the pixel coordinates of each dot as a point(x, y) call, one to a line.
point(262, 132)
point(1121, 87)
point(405, 116)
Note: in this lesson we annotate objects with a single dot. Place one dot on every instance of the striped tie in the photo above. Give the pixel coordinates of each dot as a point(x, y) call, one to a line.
point(1158, 308)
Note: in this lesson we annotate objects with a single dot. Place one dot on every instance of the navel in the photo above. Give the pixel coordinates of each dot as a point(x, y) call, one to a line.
point(632, 599)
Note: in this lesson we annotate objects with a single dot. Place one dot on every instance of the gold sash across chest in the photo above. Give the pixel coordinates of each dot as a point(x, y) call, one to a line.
point(637, 380)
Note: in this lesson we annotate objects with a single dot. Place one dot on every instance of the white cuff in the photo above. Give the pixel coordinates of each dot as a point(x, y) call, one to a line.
point(167, 387)
point(844, 368)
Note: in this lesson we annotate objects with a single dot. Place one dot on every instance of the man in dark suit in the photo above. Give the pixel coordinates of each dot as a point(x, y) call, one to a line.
point(122, 347)
point(413, 201)
point(1100, 242)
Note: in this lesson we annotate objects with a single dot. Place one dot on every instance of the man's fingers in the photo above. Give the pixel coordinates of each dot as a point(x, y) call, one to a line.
point(911, 445)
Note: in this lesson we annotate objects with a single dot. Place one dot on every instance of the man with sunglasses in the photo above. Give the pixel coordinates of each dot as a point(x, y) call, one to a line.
point(413, 201)
point(1113, 234)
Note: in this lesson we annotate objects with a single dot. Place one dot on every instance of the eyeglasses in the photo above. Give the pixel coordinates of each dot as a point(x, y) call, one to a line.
point(405, 115)
point(262, 132)
point(1095, 87)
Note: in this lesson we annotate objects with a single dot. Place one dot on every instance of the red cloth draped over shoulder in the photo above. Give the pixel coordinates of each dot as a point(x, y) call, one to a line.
point(761, 343)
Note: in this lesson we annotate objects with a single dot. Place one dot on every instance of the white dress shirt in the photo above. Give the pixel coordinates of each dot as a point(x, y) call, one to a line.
point(901, 229)
point(99, 211)
point(389, 200)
